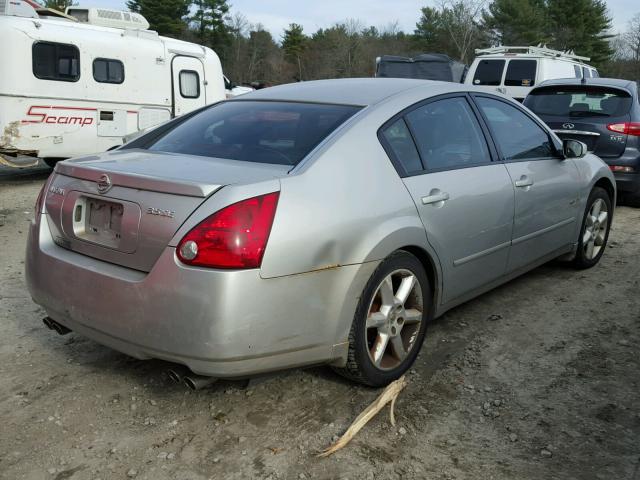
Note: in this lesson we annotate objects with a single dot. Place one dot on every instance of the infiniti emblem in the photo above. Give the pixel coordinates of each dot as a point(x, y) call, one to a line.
point(104, 183)
point(568, 125)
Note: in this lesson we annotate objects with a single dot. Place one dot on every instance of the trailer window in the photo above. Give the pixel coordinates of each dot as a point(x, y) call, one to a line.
point(189, 84)
point(106, 70)
point(56, 61)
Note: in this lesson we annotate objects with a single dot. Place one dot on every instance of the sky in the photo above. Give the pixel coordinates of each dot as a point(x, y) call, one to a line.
point(275, 15)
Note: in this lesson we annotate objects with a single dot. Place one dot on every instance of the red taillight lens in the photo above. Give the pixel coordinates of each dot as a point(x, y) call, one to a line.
point(234, 237)
point(621, 168)
point(628, 128)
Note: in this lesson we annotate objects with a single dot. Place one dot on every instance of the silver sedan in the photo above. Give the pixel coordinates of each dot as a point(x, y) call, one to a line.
point(315, 223)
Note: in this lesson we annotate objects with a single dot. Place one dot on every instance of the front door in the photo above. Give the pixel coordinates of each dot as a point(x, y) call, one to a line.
point(546, 186)
point(464, 200)
point(188, 84)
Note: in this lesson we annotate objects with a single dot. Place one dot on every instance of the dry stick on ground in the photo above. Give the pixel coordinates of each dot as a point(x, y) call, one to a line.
point(390, 394)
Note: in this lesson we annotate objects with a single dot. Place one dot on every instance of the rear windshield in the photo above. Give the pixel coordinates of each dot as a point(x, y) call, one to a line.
point(521, 73)
point(488, 72)
point(255, 131)
point(579, 102)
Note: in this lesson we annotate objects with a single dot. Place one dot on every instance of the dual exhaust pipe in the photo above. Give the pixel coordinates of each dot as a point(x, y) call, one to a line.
point(51, 324)
point(190, 380)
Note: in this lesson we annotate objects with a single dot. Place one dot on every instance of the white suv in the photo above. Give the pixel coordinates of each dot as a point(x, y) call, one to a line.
point(514, 71)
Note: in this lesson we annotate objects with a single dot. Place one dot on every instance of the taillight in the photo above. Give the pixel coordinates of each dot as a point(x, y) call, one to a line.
point(628, 128)
point(621, 169)
point(234, 237)
point(38, 206)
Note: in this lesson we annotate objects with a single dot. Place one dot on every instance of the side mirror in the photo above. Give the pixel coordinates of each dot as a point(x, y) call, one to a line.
point(573, 148)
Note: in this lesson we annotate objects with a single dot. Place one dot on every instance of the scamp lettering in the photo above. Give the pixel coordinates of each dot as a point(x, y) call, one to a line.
point(38, 116)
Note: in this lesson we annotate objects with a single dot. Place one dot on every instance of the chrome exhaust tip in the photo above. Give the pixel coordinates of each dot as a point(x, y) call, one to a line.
point(51, 324)
point(198, 382)
point(176, 374)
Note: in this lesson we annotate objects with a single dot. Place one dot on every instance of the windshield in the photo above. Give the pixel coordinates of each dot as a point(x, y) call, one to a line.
point(255, 131)
point(579, 102)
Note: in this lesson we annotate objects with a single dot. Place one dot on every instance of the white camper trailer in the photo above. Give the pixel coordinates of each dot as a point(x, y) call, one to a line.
point(78, 83)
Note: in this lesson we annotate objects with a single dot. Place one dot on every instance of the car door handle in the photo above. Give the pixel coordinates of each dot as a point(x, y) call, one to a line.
point(435, 196)
point(524, 182)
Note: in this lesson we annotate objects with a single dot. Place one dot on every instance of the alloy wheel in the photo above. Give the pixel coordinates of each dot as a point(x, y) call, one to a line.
point(394, 319)
point(595, 229)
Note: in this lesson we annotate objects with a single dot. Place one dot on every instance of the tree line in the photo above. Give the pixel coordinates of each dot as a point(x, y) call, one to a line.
point(250, 53)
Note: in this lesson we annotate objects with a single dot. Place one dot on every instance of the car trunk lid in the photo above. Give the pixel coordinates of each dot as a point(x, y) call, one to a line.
point(124, 207)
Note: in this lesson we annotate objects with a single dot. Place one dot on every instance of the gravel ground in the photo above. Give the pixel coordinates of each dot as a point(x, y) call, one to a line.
point(537, 379)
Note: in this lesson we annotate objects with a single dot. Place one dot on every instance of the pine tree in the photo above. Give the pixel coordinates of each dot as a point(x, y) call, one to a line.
point(581, 25)
point(164, 16)
point(209, 24)
point(517, 22)
point(294, 43)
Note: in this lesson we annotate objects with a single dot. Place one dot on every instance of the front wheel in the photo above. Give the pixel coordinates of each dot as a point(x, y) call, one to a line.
point(390, 321)
point(595, 229)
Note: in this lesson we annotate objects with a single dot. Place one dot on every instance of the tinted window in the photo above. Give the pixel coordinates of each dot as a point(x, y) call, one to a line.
point(448, 134)
point(521, 73)
point(488, 72)
point(579, 102)
point(254, 131)
point(56, 61)
point(516, 134)
point(399, 140)
point(577, 71)
point(106, 70)
point(189, 84)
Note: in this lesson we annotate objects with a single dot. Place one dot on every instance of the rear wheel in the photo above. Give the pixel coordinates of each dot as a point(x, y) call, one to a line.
point(595, 229)
point(390, 321)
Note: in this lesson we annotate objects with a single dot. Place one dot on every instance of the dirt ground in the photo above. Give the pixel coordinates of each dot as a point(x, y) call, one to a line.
point(538, 379)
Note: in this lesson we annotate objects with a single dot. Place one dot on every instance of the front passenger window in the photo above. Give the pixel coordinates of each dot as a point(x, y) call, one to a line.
point(518, 137)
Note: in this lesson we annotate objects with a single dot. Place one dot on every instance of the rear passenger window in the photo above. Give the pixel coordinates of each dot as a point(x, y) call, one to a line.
point(488, 72)
point(106, 70)
point(518, 137)
point(521, 73)
point(448, 135)
point(56, 61)
point(399, 140)
point(189, 84)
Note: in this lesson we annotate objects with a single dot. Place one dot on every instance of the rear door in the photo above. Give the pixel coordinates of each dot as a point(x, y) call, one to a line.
point(587, 113)
point(546, 186)
point(488, 74)
point(464, 200)
point(188, 84)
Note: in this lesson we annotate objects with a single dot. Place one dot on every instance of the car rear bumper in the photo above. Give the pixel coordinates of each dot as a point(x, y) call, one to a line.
point(627, 183)
point(218, 323)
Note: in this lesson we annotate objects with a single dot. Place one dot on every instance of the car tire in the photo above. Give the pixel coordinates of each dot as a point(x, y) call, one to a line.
point(594, 232)
point(391, 317)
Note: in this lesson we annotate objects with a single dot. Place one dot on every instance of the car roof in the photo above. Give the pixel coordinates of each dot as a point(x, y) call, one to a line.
point(346, 91)
point(628, 85)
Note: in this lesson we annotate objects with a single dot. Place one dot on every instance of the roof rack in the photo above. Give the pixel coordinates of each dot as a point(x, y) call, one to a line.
point(538, 50)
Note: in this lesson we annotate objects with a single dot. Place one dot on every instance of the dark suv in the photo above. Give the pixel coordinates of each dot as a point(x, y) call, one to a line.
point(604, 113)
